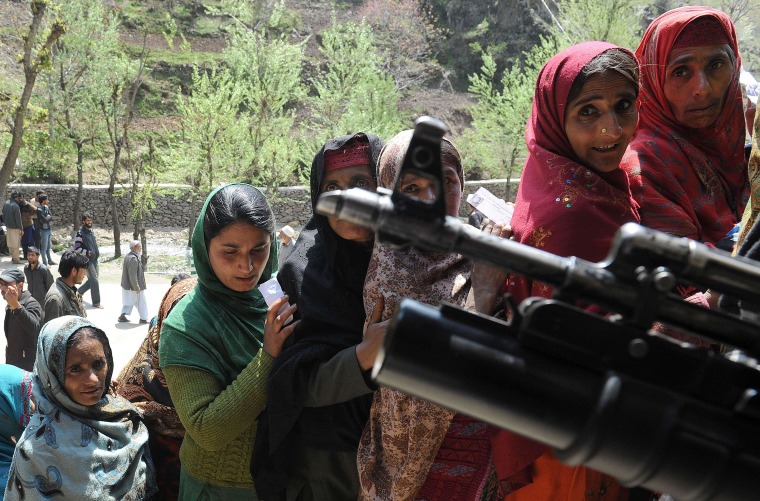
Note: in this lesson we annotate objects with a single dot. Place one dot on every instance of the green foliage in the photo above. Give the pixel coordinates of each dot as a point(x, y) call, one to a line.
point(496, 141)
point(45, 157)
point(497, 138)
point(268, 72)
point(608, 20)
point(207, 147)
point(353, 93)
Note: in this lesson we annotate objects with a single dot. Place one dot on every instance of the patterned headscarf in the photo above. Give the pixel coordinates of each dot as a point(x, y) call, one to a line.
point(404, 433)
point(688, 182)
point(557, 192)
point(77, 451)
point(143, 383)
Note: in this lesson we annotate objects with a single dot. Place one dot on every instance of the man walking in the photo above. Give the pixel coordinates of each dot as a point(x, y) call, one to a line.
point(13, 225)
point(36, 204)
point(38, 276)
point(85, 244)
point(63, 297)
point(45, 227)
point(23, 318)
point(28, 213)
point(133, 284)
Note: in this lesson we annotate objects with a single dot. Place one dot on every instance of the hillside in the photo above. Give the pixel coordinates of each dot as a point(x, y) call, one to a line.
point(438, 46)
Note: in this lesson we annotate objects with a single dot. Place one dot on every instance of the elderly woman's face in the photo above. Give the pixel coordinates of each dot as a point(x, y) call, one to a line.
point(86, 371)
point(422, 188)
point(696, 82)
point(356, 176)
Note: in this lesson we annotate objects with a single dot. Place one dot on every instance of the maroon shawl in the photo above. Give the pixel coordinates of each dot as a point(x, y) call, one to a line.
point(563, 207)
point(688, 182)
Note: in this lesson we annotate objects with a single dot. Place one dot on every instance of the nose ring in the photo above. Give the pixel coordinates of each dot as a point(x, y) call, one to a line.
point(604, 131)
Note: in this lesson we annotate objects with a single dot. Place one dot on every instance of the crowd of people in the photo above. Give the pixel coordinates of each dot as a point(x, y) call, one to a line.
point(228, 399)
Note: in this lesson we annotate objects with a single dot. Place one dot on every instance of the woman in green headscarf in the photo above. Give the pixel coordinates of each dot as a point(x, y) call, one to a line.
point(219, 342)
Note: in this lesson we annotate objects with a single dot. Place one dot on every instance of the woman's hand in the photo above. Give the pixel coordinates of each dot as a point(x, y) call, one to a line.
point(374, 334)
point(488, 280)
point(274, 333)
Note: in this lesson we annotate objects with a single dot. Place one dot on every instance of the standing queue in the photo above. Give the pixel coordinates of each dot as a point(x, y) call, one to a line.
point(224, 400)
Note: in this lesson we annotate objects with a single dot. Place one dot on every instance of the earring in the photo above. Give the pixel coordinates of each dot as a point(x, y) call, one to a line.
point(604, 131)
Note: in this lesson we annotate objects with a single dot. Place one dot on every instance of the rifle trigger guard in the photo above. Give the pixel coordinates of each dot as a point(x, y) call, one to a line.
point(654, 286)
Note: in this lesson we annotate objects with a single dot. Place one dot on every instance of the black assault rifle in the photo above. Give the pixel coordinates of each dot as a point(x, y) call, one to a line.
point(604, 391)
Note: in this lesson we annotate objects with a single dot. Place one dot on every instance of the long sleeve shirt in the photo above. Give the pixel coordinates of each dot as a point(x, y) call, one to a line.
point(85, 244)
point(220, 422)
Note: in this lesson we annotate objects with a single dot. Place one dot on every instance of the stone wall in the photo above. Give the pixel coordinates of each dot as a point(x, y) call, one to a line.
point(293, 204)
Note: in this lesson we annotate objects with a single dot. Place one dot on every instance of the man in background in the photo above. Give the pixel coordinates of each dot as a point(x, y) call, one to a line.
point(38, 276)
point(23, 318)
point(286, 236)
point(13, 225)
point(28, 213)
point(85, 244)
point(63, 298)
point(133, 284)
point(37, 225)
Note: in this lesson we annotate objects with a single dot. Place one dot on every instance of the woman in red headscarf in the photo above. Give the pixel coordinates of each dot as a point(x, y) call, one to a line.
point(687, 165)
point(573, 197)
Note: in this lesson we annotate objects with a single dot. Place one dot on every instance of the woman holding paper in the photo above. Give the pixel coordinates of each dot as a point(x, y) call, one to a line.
point(319, 389)
point(219, 342)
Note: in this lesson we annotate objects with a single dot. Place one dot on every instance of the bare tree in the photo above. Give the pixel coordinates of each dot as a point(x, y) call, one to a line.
point(118, 113)
point(35, 58)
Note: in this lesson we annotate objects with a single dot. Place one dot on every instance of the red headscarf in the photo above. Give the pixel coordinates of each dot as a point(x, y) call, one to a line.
point(562, 206)
point(689, 182)
point(567, 209)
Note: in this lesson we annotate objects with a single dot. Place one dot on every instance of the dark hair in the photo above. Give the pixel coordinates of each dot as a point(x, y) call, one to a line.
point(237, 203)
point(43, 198)
point(86, 215)
point(179, 277)
point(40, 192)
point(69, 261)
point(91, 332)
point(34, 249)
point(616, 61)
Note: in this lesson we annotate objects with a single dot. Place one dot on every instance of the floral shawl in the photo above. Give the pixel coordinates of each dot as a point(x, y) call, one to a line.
point(688, 182)
point(403, 435)
point(142, 382)
point(75, 451)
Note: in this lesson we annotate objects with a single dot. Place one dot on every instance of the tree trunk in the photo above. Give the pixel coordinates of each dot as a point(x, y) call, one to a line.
point(31, 70)
point(114, 209)
point(75, 217)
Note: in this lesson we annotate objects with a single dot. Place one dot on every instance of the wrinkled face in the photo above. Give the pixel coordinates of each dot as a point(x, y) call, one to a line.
point(696, 83)
point(87, 222)
point(238, 255)
point(356, 176)
point(600, 121)
point(86, 371)
point(422, 188)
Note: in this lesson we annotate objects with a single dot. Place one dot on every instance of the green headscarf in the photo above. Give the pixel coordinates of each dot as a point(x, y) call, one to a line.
point(213, 327)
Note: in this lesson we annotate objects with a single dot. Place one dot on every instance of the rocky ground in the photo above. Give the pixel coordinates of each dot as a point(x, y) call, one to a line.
point(166, 250)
